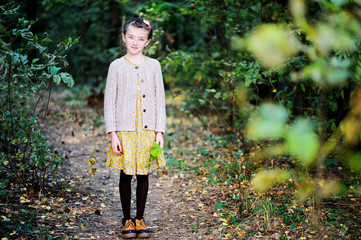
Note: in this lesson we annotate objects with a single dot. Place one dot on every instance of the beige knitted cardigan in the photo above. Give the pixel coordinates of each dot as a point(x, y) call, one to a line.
point(121, 95)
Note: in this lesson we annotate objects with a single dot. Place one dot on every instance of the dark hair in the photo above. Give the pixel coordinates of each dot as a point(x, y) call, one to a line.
point(139, 23)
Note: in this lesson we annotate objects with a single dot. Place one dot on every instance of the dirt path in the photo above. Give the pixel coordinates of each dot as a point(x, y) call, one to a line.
point(177, 206)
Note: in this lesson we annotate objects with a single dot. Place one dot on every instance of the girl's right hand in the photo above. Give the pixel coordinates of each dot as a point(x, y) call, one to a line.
point(115, 144)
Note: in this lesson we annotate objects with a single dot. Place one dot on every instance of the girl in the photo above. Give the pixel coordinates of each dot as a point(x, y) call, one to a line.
point(134, 116)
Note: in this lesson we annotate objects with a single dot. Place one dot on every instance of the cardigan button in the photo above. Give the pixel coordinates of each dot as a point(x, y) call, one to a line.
point(145, 126)
point(136, 67)
point(144, 110)
point(142, 81)
point(143, 95)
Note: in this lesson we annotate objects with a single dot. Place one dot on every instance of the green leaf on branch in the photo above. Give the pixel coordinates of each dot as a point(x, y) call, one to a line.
point(67, 78)
point(54, 70)
point(57, 79)
point(301, 142)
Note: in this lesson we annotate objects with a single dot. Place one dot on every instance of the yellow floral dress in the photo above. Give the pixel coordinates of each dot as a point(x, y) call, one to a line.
point(135, 159)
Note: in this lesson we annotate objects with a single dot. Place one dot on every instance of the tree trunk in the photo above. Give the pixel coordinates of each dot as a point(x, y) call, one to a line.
point(114, 22)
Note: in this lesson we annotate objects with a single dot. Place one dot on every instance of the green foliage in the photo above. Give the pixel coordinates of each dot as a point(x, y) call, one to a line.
point(326, 71)
point(28, 69)
point(97, 25)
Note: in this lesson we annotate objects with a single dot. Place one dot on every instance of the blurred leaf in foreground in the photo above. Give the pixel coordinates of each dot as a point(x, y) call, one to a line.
point(350, 127)
point(334, 72)
point(328, 37)
point(355, 162)
point(305, 189)
point(267, 122)
point(241, 93)
point(272, 44)
point(301, 142)
point(267, 178)
point(330, 187)
point(298, 11)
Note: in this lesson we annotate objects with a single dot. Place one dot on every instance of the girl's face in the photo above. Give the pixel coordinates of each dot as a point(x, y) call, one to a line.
point(135, 39)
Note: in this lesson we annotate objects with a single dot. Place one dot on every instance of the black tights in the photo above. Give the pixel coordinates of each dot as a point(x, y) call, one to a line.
point(126, 192)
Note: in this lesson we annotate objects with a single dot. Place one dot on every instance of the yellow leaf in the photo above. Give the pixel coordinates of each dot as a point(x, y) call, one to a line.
point(91, 161)
point(241, 232)
point(93, 171)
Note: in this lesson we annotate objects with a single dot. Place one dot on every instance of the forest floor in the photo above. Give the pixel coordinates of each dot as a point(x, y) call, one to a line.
point(204, 192)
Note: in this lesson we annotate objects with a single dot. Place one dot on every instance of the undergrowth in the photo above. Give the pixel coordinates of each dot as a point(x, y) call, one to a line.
point(245, 213)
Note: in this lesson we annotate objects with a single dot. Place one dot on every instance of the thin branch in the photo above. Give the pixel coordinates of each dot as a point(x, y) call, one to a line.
point(47, 104)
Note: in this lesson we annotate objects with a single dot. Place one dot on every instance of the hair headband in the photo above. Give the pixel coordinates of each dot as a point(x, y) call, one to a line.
point(146, 22)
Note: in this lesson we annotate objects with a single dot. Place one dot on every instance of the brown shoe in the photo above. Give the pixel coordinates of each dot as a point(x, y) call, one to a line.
point(128, 230)
point(141, 229)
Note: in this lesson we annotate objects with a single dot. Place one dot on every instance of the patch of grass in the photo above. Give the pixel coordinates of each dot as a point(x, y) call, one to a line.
point(77, 105)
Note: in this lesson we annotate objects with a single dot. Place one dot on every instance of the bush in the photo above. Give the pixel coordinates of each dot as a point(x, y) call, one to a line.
point(28, 69)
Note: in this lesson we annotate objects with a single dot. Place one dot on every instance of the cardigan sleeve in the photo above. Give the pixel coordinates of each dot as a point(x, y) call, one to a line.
point(160, 122)
point(110, 98)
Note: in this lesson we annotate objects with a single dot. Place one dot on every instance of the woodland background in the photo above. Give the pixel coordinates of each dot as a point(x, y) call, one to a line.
point(273, 87)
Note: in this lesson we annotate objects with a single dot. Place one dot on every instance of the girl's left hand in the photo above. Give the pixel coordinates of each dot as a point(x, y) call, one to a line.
point(159, 139)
